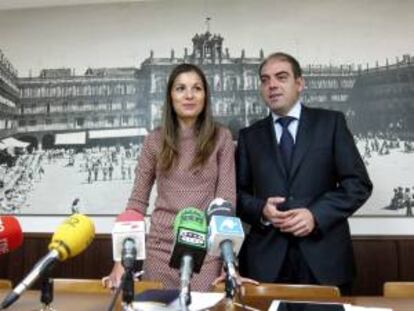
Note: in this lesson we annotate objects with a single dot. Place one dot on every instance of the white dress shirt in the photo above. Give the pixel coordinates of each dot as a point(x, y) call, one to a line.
point(293, 126)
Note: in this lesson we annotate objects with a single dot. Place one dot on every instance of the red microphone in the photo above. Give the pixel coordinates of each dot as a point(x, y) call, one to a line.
point(129, 226)
point(11, 236)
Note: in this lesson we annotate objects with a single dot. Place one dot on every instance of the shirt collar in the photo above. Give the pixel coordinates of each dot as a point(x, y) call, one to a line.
point(295, 112)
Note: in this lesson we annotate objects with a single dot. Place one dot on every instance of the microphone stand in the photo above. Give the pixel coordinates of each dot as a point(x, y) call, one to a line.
point(129, 253)
point(46, 293)
point(230, 284)
point(185, 292)
point(231, 288)
point(128, 288)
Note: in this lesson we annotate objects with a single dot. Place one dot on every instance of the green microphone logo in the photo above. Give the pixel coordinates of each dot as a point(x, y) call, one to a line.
point(190, 227)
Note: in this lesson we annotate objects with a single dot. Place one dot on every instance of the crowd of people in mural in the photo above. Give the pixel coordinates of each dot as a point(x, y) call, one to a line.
point(403, 198)
point(105, 164)
point(96, 164)
point(108, 163)
point(384, 144)
point(16, 181)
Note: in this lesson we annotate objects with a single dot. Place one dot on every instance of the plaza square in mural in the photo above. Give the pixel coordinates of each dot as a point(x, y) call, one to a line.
point(75, 105)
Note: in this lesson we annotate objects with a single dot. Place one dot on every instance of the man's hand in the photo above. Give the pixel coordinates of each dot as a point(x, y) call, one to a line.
point(271, 212)
point(299, 222)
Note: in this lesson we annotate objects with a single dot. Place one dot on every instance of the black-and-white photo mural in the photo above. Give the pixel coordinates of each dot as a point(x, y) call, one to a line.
point(82, 85)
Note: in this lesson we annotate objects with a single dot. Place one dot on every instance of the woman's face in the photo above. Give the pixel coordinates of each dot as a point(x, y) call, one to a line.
point(188, 96)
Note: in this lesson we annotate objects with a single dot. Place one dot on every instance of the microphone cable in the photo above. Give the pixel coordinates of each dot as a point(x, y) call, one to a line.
point(117, 292)
point(240, 297)
point(136, 275)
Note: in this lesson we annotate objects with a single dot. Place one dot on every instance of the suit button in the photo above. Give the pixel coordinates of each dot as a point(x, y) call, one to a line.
point(291, 197)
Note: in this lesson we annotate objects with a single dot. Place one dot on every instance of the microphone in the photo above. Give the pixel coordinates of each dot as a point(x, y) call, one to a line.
point(129, 254)
point(71, 238)
point(226, 233)
point(129, 229)
point(11, 236)
point(128, 245)
point(190, 247)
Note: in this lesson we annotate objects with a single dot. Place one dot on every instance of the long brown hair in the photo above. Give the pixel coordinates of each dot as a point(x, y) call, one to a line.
point(205, 127)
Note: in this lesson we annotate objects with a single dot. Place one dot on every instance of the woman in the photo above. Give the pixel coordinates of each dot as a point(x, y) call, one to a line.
point(191, 160)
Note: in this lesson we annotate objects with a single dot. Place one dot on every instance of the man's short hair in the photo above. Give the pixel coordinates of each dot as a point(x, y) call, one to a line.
point(297, 71)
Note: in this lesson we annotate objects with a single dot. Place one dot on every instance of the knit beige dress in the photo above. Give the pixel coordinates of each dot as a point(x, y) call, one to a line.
point(181, 187)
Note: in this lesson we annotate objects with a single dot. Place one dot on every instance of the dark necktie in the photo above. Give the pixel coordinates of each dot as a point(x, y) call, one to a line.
point(286, 142)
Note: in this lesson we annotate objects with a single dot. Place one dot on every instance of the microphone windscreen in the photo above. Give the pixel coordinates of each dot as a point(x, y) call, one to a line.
point(219, 207)
point(129, 215)
point(190, 218)
point(73, 236)
point(11, 236)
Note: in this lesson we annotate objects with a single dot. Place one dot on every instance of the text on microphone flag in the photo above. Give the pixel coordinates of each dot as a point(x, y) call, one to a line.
point(192, 238)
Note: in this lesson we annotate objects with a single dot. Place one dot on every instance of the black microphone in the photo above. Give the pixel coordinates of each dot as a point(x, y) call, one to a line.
point(128, 245)
point(190, 247)
point(129, 254)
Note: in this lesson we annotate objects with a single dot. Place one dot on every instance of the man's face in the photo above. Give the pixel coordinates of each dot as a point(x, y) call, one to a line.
point(279, 87)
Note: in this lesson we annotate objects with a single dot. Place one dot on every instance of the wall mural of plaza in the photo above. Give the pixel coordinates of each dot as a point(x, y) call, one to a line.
point(70, 137)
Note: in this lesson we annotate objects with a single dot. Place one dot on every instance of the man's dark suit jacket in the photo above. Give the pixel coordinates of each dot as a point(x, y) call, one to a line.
point(327, 176)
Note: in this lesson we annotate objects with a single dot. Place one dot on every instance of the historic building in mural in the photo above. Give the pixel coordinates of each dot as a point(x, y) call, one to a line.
point(383, 99)
point(9, 97)
point(117, 105)
point(59, 103)
point(234, 82)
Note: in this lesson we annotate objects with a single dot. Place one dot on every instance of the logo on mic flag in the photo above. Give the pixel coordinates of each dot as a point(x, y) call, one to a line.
point(229, 225)
point(224, 228)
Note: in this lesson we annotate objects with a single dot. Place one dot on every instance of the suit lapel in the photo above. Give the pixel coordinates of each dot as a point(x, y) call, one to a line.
point(271, 139)
point(304, 138)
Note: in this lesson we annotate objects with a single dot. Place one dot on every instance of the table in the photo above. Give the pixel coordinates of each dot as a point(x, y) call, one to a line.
point(29, 301)
point(396, 304)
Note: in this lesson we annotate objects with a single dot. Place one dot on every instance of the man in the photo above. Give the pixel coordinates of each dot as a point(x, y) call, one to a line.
point(299, 177)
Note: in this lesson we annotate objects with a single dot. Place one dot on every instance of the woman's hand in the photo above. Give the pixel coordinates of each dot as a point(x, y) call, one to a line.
point(113, 280)
point(239, 279)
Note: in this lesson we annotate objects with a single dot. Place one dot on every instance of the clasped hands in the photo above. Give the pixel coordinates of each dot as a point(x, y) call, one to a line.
point(298, 221)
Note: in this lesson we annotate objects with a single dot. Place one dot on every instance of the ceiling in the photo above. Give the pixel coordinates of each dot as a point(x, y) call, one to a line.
point(27, 4)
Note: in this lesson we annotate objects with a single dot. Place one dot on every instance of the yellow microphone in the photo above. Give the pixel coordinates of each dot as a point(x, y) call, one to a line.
point(73, 236)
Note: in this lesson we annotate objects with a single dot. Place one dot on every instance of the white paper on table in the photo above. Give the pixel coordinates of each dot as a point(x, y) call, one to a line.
point(199, 301)
point(347, 307)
